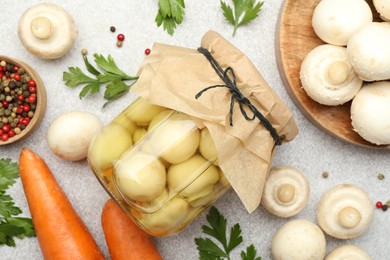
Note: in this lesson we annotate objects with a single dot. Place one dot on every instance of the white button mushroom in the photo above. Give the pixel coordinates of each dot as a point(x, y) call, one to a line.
point(369, 53)
point(193, 178)
point(383, 8)
point(142, 112)
point(286, 191)
point(370, 112)
point(140, 176)
point(177, 139)
point(47, 31)
point(348, 252)
point(345, 211)
point(207, 147)
point(335, 21)
point(298, 239)
point(328, 77)
point(70, 134)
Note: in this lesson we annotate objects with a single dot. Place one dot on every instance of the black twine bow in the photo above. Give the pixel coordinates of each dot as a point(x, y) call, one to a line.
point(230, 83)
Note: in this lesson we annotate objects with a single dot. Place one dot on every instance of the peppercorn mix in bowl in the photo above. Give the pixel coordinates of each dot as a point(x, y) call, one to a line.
point(22, 100)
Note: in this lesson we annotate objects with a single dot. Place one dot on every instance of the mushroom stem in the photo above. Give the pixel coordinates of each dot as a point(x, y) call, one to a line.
point(338, 72)
point(349, 217)
point(285, 193)
point(41, 27)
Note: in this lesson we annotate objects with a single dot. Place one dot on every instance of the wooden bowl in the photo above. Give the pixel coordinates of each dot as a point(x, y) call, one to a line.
point(295, 38)
point(40, 105)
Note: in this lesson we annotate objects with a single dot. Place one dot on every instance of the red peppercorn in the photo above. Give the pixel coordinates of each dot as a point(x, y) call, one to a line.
point(20, 97)
point(1, 132)
point(6, 128)
point(31, 83)
point(1, 75)
point(32, 99)
point(147, 51)
point(16, 68)
point(17, 77)
point(4, 137)
point(19, 109)
point(32, 89)
point(379, 205)
point(26, 108)
point(25, 121)
point(5, 103)
point(4, 69)
point(11, 133)
point(120, 37)
point(9, 79)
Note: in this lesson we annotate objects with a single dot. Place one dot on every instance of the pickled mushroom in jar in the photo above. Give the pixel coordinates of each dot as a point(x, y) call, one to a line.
point(139, 132)
point(129, 125)
point(108, 146)
point(160, 118)
point(177, 139)
point(207, 147)
point(142, 112)
point(199, 173)
point(140, 176)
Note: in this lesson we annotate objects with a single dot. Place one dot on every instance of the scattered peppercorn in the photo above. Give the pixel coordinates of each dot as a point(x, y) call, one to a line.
point(17, 100)
point(325, 175)
point(121, 37)
point(119, 43)
point(379, 204)
point(84, 51)
point(112, 29)
point(385, 207)
point(381, 176)
point(147, 51)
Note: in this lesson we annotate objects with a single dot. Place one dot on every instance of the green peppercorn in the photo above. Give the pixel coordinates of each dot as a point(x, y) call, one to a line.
point(21, 71)
point(13, 115)
point(22, 126)
point(19, 84)
point(3, 63)
point(16, 120)
point(1, 124)
point(10, 119)
point(1, 111)
point(30, 114)
point(8, 98)
point(7, 112)
point(381, 176)
point(4, 120)
point(17, 130)
point(7, 89)
point(325, 175)
point(13, 125)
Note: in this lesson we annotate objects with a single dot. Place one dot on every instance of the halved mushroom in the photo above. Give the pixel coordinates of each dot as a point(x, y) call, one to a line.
point(369, 53)
point(345, 211)
point(47, 31)
point(369, 112)
point(328, 77)
point(348, 252)
point(286, 191)
point(336, 21)
point(383, 8)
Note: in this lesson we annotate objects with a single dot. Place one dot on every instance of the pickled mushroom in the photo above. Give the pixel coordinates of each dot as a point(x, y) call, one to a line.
point(160, 118)
point(177, 139)
point(207, 147)
point(108, 146)
point(139, 132)
point(126, 123)
point(142, 112)
point(140, 177)
point(180, 175)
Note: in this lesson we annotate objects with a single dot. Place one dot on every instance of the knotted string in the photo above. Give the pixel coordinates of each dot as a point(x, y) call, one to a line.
point(229, 78)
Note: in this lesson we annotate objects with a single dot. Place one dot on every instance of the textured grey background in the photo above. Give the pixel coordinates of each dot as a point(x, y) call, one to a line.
point(313, 151)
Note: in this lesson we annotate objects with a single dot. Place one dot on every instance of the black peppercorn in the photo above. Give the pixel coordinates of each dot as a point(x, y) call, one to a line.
point(112, 29)
point(385, 207)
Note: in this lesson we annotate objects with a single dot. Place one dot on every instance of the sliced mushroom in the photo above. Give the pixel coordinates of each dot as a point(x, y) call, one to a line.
point(345, 211)
point(369, 53)
point(348, 252)
point(286, 191)
point(328, 77)
point(299, 239)
point(369, 112)
point(336, 21)
point(383, 8)
point(47, 31)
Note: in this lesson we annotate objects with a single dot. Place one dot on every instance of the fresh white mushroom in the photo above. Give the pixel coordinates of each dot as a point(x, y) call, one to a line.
point(207, 147)
point(142, 112)
point(370, 112)
point(345, 211)
point(328, 77)
point(286, 191)
point(335, 21)
point(348, 252)
point(177, 139)
point(140, 176)
point(369, 53)
point(47, 31)
point(298, 239)
point(193, 178)
point(383, 8)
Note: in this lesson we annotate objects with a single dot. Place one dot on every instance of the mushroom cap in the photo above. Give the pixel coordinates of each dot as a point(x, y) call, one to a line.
point(348, 252)
point(328, 77)
point(369, 53)
point(369, 112)
point(286, 191)
point(47, 31)
point(345, 211)
point(336, 21)
point(298, 239)
point(383, 8)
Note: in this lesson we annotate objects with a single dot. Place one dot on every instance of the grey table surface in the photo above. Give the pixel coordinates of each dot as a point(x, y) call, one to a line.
point(313, 151)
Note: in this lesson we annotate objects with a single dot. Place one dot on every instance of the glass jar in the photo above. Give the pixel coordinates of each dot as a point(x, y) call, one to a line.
point(158, 166)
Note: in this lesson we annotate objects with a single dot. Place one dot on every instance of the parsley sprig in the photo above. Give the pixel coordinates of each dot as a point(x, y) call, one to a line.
point(244, 12)
point(170, 13)
point(110, 75)
point(209, 250)
point(10, 225)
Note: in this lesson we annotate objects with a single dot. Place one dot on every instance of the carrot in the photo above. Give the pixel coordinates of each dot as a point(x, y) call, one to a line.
point(60, 231)
point(125, 240)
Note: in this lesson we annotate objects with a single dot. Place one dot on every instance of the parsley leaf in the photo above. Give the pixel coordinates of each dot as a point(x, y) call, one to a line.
point(209, 250)
point(244, 12)
point(10, 226)
point(111, 75)
point(170, 13)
